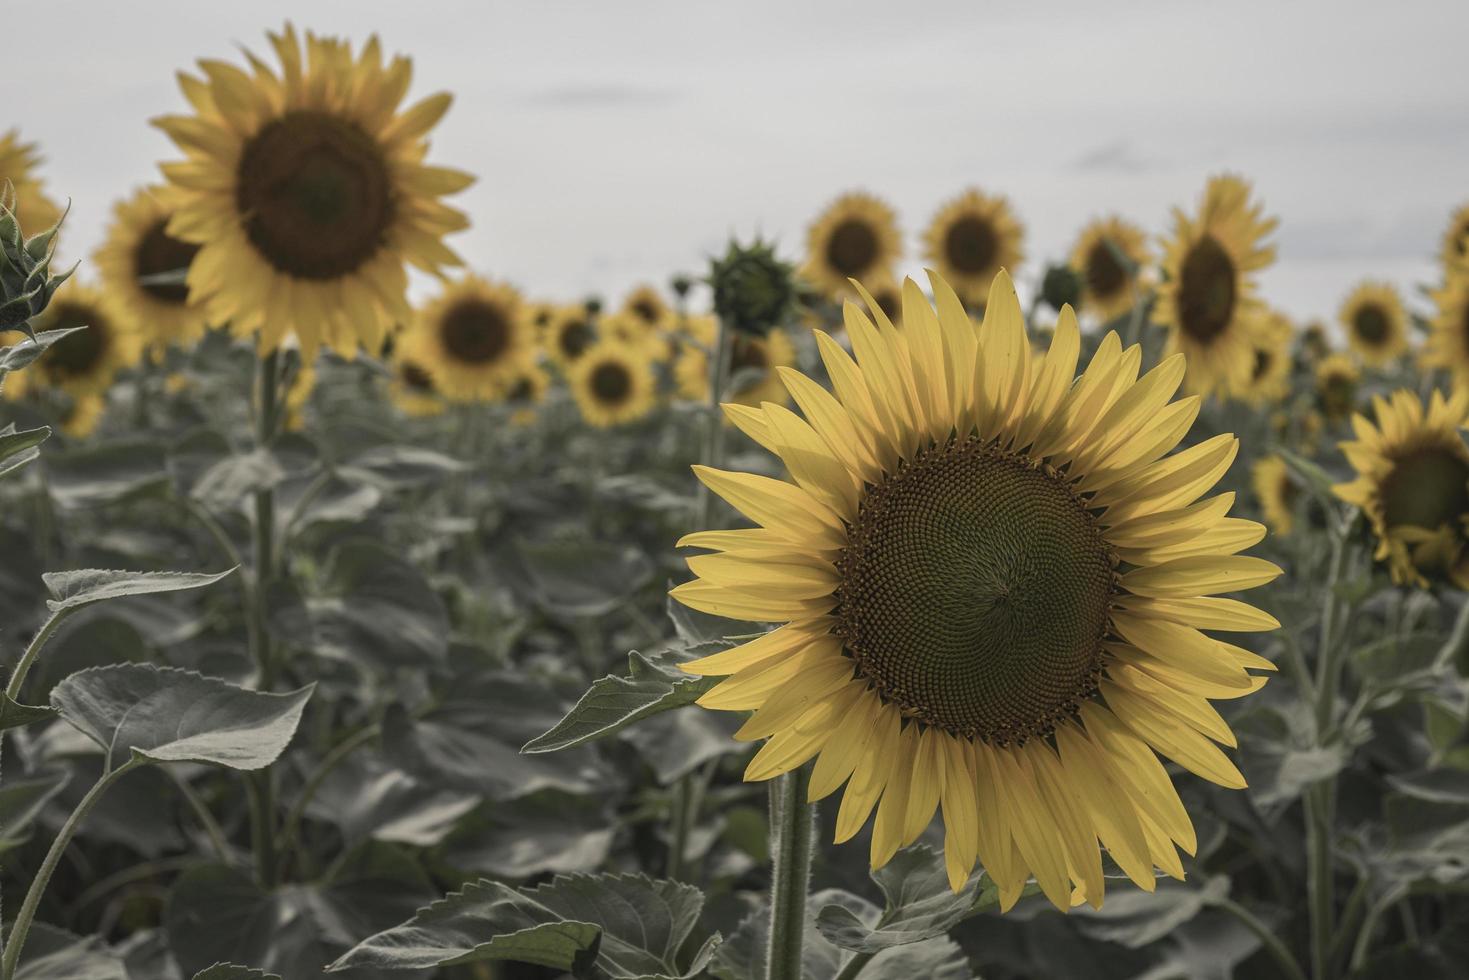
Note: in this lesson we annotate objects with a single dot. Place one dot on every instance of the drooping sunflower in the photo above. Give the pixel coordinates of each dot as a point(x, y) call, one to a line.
point(970, 239)
point(856, 237)
point(612, 384)
point(307, 191)
point(567, 334)
point(138, 246)
point(1276, 491)
point(1454, 253)
point(993, 581)
point(18, 162)
point(1413, 485)
point(754, 365)
point(474, 337)
point(1109, 284)
point(1207, 294)
point(1271, 334)
point(1447, 345)
point(1375, 323)
point(1337, 377)
point(85, 362)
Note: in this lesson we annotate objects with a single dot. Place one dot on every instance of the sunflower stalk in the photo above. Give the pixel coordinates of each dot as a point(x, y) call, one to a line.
point(267, 422)
point(793, 838)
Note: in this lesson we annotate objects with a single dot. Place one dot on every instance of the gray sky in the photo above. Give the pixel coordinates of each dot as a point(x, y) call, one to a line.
point(620, 142)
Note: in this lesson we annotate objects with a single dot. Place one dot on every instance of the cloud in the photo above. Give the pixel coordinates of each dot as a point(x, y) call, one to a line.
point(1117, 157)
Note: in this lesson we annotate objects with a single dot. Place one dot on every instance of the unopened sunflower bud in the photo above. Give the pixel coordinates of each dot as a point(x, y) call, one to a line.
point(1061, 286)
point(754, 291)
point(26, 283)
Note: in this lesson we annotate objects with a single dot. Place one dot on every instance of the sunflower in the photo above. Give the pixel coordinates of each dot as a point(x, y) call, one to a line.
point(1269, 378)
point(612, 384)
point(888, 296)
point(1455, 249)
point(35, 211)
point(82, 415)
point(992, 582)
point(970, 239)
point(412, 387)
point(84, 363)
point(567, 334)
point(754, 365)
point(307, 192)
point(525, 393)
point(1447, 345)
point(647, 307)
point(139, 246)
point(298, 396)
point(1276, 491)
point(856, 237)
point(1207, 294)
point(1376, 325)
point(474, 338)
point(1315, 345)
point(1109, 283)
point(1336, 386)
point(633, 332)
point(1413, 484)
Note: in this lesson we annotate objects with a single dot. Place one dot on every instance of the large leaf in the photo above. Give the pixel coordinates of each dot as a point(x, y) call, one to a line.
point(72, 590)
point(167, 715)
point(106, 474)
point(51, 954)
point(613, 703)
point(582, 578)
point(368, 799)
point(19, 448)
point(23, 353)
point(399, 467)
point(629, 925)
point(1135, 918)
point(15, 715)
point(225, 483)
point(381, 611)
point(548, 831)
point(920, 905)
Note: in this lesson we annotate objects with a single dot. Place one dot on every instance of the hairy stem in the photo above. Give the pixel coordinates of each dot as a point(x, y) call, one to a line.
point(792, 825)
point(267, 421)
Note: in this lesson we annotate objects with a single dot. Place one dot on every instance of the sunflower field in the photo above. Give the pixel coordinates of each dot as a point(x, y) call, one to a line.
point(786, 620)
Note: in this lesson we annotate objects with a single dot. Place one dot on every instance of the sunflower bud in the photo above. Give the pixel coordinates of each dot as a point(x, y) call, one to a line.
point(754, 291)
point(26, 283)
point(1061, 286)
point(681, 284)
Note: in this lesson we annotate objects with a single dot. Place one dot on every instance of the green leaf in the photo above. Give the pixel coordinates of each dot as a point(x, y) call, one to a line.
point(106, 474)
point(366, 799)
point(920, 905)
point(1434, 785)
point(398, 467)
point(162, 714)
point(229, 971)
point(225, 483)
point(549, 831)
point(22, 800)
point(613, 703)
point(579, 579)
point(71, 591)
point(1316, 479)
point(16, 715)
point(629, 925)
point(23, 353)
point(1135, 918)
point(17, 448)
point(382, 610)
point(81, 959)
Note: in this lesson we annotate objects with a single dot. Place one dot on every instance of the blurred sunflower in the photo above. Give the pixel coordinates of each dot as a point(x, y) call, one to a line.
point(1276, 491)
point(647, 307)
point(755, 363)
point(1315, 344)
point(1455, 249)
point(307, 191)
point(84, 363)
point(298, 396)
point(633, 331)
point(138, 246)
point(1376, 325)
point(568, 334)
point(18, 162)
point(412, 388)
point(1336, 386)
point(82, 415)
point(970, 239)
point(1207, 294)
point(1109, 283)
point(1268, 382)
point(993, 582)
point(856, 237)
point(888, 296)
point(612, 384)
point(474, 338)
point(525, 393)
point(1447, 345)
point(1413, 485)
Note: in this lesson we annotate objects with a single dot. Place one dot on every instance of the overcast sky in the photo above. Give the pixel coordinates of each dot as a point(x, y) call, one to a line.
point(618, 142)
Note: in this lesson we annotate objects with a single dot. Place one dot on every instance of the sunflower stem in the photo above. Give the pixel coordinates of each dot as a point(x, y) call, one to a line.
point(1268, 939)
point(267, 421)
point(792, 829)
point(854, 966)
point(713, 454)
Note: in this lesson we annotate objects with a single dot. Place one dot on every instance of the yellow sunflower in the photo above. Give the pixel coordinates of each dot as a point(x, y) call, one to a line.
point(612, 384)
point(1447, 345)
point(1315, 344)
point(1336, 386)
point(1108, 285)
point(970, 239)
point(84, 363)
point(1413, 485)
point(412, 387)
point(567, 334)
point(647, 307)
point(1207, 294)
point(1276, 491)
point(83, 415)
point(992, 580)
point(1455, 249)
point(526, 392)
point(139, 246)
point(888, 296)
point(631, 330)
point(298, 396)
point(753, 369)
point(1268, 382)
point(856, 237)
point(474, 338)
point(307, 191)
point(1375, 323)
point(18, 162)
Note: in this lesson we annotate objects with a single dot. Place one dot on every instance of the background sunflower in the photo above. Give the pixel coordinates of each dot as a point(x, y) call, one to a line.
point(971, 238)
point(86, 362)
point(18, 164)
point(138, 247)
point(1447, 346)
point(856, 237)
point(474, 338)
point(612, 384)
point(1375, 323)
point(1109, 254)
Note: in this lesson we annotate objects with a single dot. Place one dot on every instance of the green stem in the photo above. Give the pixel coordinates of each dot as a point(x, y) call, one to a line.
point(854, 966)
point(27, 915)
point(792, 828)
point(1268, 939)
point(713, 454)
point(206, 819)
point(33, 650)
point(291, 831)
point(267, 421)
point(1369, 925)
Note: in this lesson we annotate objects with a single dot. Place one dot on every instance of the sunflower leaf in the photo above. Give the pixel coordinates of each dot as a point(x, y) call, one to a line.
point(22, 354)
point(17, 448)
point(613, 703)
point(15, 715)
point(920, 905)
point(72, 590)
